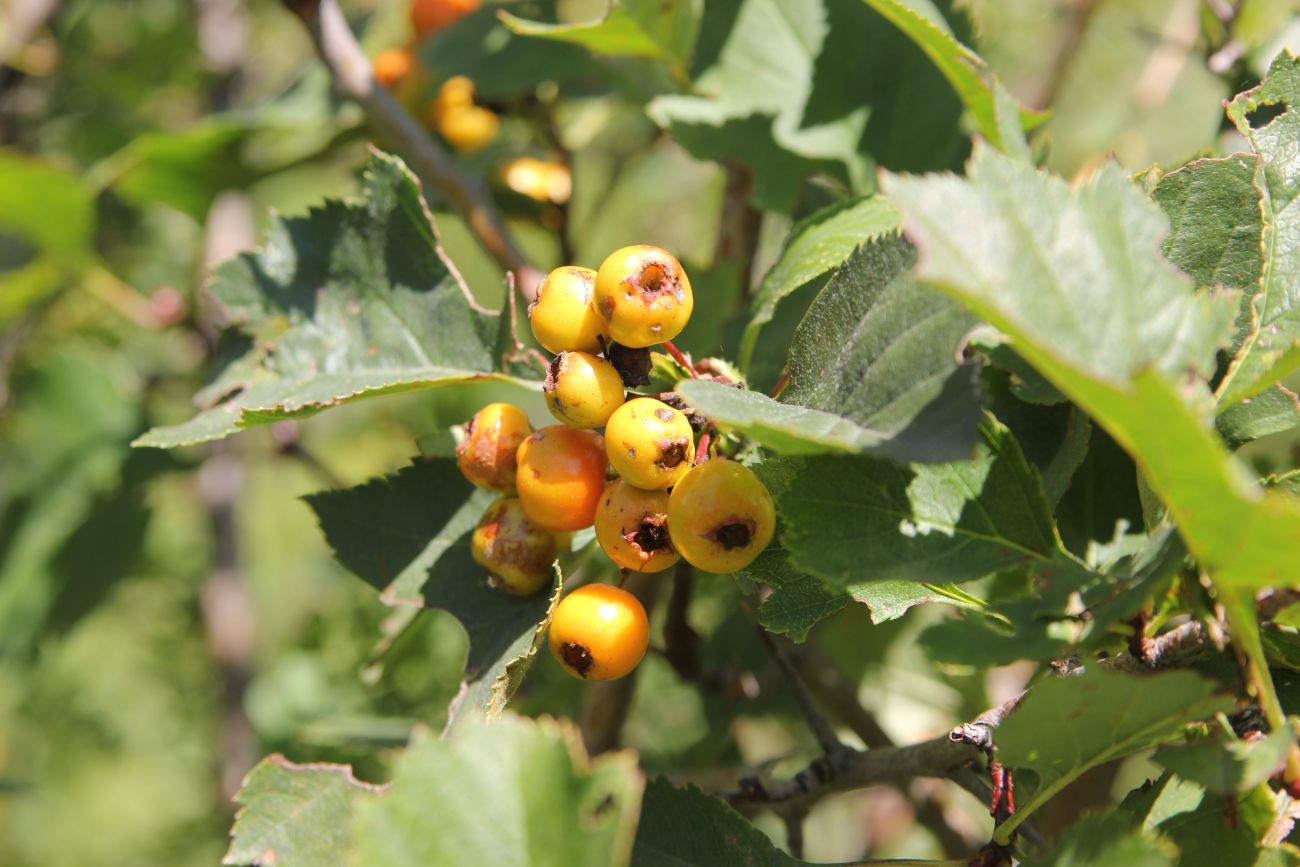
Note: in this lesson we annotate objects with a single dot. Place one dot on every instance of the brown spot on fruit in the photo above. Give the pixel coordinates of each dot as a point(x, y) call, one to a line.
point(576, 657)
point(664, 415)
point(672, 452)
point(735, 534)
point(650, 535)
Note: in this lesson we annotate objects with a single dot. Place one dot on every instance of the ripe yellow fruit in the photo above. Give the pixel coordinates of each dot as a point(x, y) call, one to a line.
point(518, 556)
point(644, 295)
point(468, 128)
point(649, 443)
point(562, 317)
point(599, 632)
point(455, 92)
point(539, 180)
point(486, 456)
point(632, 528)
point(561, 476)
point(721, 516)
point(582, 390)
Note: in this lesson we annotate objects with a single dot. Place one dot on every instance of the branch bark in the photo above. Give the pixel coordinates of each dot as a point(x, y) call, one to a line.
point(354, 78)
point(950, 755)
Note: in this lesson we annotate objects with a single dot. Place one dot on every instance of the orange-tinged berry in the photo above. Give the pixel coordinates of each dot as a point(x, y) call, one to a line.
point(430, 16)
point(560, 477)
point(632, 528)
point(518, 556)
point(582, 390)
point(599, 632)
point(649, 443)
point(486, 456)
point(721, 516)
point(644, 295)
point(392, 66)
point(562, 317)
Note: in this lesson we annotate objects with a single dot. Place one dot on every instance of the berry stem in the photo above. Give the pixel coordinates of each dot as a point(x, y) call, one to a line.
point(681, 358)
point(702, 450)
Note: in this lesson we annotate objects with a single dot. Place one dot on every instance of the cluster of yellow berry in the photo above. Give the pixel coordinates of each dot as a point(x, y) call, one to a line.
point(663, 504)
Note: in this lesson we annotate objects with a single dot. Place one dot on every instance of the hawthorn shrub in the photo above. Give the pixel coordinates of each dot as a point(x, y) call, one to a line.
point(953, 392)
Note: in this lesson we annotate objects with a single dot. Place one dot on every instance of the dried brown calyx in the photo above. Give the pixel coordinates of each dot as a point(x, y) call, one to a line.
point(650, 535)
point(633, 365)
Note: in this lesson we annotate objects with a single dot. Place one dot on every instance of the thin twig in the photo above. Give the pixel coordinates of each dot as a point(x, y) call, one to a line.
point(739, 223)
point(353, 77)
point(821, 727)
point(681, 641)
point(950, 755)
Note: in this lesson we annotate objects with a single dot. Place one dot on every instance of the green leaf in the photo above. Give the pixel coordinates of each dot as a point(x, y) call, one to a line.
point(1234, 766)
point(296, 815)
point(350, 302)
point(46, 220)
point(1075, 278)
point(663, 31)
point(779, 426)
point(788, 88)
point(798, 600)
point(501, 64)
point(855, 519)
point(1272, 345)
point(815, 245)
point(1134, 82)
point(1105, 839)
point(964, 69)
point(1193, 819)
point(881, 351)
point(1080, 268)
point(1070, 610)
point(1214, 224)
point(1067, 725)
point(686, 826)
point(1274, 410)
point(408, 536)
point(512, 792)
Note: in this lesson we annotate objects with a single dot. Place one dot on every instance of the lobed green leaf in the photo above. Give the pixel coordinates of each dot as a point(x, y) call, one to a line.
point(352, 301)
point(408, 536)
point(1271, 347)
point(1076, 279)
point(1091, 719)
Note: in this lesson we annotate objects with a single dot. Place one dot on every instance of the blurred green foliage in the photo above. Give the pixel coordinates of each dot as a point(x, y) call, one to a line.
point(168, 618)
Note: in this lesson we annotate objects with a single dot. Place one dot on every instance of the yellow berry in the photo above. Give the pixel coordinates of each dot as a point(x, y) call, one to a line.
point(487, 454)
point(721, 516)
point(632, 528)
point(582, 389)
point(644, 295)
point(562, 317)
point(468, 128)
point(649, 443)
point(518, 555)
point(599, 632)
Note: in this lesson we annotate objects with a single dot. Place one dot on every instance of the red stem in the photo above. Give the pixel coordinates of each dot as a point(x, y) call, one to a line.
point(681, 358)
